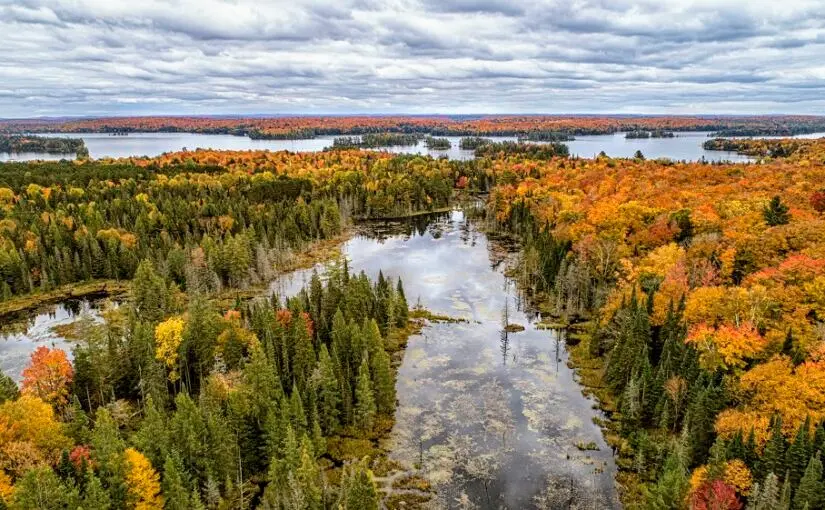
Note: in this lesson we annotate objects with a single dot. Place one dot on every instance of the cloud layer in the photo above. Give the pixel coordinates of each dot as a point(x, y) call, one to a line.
point(116, 57)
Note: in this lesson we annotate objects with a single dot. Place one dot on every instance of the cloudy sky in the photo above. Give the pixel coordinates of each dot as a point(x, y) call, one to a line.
point(116, 57)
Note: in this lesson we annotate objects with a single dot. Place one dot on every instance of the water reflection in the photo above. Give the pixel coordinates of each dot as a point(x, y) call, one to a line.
point(22, 333)
point(684, 146)
point(488, 413)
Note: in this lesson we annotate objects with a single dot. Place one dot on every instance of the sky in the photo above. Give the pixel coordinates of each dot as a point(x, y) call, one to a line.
point(183, 57)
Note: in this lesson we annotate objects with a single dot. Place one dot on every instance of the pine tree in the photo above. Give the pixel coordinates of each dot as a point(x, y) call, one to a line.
point(175, 485)
point(382, 382)
point(671, 487)
point(149, 292)
point(811, 491)
point(799, 453)
point(773, 456)
point(402, 308)
point(8, 388)
point(328, 393)
point(358, 490)
point(308, 476)
point(107, 453)
point(776, 213)
point(364, 399)
point(94, 495)
point(766, 497)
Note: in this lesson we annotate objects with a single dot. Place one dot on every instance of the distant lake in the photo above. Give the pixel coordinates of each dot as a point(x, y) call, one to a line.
point(684, 146)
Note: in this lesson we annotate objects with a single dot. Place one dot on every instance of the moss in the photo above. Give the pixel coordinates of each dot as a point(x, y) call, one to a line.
point(342, 449)
point(423, 313)
point(407, 500)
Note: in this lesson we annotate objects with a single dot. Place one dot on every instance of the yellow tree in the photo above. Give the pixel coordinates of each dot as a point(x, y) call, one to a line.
point(168, 337)
point(143, 482)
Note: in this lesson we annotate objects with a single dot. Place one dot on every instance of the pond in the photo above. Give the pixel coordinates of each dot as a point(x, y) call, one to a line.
point(22, 333)
point(487, 416)
point(684, 146)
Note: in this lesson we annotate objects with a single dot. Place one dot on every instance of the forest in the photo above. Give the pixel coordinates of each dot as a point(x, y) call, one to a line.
point(532, 127)
point(692, 297)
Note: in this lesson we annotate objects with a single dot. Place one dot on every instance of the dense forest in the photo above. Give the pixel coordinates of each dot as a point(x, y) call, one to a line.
point(704, 335)
point(533, 127)
point(51, 145)
point(692, 296)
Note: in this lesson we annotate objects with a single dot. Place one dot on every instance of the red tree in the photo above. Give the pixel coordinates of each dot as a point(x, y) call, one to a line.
point(715, 495)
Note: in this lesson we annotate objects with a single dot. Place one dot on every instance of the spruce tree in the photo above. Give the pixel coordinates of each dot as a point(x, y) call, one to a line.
point(811, 491)
point(175, 485)
point(799, 453)
point(328, 393)
point(364, 399)
point(773, 456)
point(767, 495)
point(785, 494)
point(671, 487)
point(776, 213)
point(402, 308)
point(358, 490)
point(382, 382)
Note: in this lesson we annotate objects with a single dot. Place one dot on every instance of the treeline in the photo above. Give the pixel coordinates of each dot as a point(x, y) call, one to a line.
point(50, 145)
point(632, 135)
point(270, 405)
point(64, 222)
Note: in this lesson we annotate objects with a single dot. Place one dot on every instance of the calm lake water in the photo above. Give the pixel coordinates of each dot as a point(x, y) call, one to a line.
point(684, 146)
point(486, 416)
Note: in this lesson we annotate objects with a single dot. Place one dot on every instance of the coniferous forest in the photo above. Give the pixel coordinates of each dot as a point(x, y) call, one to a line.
point(690, 297)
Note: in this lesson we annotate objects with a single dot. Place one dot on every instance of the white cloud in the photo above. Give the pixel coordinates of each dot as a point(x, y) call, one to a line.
point(93, 57)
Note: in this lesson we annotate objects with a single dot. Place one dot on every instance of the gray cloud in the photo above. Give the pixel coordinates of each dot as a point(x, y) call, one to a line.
point(116, 57)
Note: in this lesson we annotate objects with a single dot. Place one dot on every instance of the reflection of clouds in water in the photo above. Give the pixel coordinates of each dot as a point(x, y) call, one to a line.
point(463, 414)
point(19, 338)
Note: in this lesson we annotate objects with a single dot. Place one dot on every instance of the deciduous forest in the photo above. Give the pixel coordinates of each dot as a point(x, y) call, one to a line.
point(691, 297)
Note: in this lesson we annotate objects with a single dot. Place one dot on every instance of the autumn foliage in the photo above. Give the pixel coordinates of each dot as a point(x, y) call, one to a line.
point(48, 375)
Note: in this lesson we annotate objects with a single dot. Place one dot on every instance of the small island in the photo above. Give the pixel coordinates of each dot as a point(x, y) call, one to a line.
point(15, 144)
point(438, 144)
point(642, 134)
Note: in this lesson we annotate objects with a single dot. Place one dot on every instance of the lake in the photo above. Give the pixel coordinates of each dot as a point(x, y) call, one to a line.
point(485, 415)
point(684, 146)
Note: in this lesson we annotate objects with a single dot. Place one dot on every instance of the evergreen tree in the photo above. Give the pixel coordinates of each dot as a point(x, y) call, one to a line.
point(364, 398)
point(766, 495)
point(175, 485)
point(402, 308)
point(811, 491)
point(776, 213)
point(672, 486)
point(358, 490)
point(799, 453)
point(773, 456)
point(8, 388)
point(149, 292)
point(785, 494)
point(383, 383)
point(328, 393)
